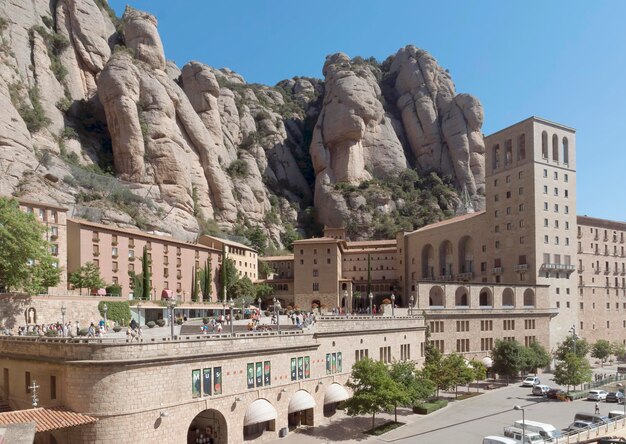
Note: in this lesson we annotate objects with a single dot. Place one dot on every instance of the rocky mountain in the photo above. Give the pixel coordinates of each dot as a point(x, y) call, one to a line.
point(95, 117)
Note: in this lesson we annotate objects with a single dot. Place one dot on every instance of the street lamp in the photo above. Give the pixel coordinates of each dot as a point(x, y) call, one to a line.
point(231, 304)
point(393, 305)
point(172, 306)
point(105, 309)
point(63, 310)
point(518, 407)
point(411, 300)
point(371, 296)
point(277, 312)
point(139, 314)
point(259, 303)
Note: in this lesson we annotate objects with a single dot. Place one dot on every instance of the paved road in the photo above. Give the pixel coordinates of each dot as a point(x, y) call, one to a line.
point(472, 419)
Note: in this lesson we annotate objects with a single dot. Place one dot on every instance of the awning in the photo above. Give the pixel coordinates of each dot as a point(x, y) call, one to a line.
point(301, 400)
point(167, 294)
point(335, 393)
point(47, 419)
point(259, 411)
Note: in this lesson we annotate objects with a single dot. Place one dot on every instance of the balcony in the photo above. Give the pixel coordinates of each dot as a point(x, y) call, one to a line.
point(621, 240)
point(520, 267)
point(596, 237)
point(568, 268)
point(96, 253)
point(579, 235)
point(445, 277)
point(623, 272)
point(580, 250)
point(497, 270)
point(607, 271)
point(596, 270)
point(114, 242)
point(616, 271)
point(581, 269)
point(465, 276)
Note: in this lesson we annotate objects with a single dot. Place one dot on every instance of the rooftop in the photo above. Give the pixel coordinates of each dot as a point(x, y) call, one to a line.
point(449, 221)
point(604, 223)
point(47, 419)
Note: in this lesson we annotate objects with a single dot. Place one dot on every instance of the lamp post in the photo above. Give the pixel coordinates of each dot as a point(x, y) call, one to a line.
point(259, 304)
point(393, 305)
point(371, 296)
point(63, 310)
point(574, 337)
point(518, 407)
point(172, 306)
point(277, 312)
point(105, 309)
point(345, 299)
point(139, 314)
point(231, 304)
point(411, 300)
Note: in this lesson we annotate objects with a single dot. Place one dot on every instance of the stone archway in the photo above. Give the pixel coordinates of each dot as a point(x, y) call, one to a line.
point(209, 423)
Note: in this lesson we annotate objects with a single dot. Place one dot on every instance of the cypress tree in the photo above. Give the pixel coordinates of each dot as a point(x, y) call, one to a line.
point(194, 287)
point(206, 289)
point(369, 277)
point(145, 272)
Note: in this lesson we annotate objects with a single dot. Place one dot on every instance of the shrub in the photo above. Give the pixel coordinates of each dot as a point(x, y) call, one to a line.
point(179, 321)
point(116, 311)
point(114, 290)
point(83, 332)
point(267, 313)
point(150, 324)
point(117, 328)
point(238, 168)
point(52, 333)
point(160, 322)
point(69, 133)
point(424, 408)
point(205, 320)
point(33, 115)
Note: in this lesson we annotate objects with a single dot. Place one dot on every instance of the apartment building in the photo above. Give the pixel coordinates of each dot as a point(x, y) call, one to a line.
point(244, 257)
point(118, 253)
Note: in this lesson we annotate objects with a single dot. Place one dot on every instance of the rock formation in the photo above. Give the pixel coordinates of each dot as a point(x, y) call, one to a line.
point(82, 90)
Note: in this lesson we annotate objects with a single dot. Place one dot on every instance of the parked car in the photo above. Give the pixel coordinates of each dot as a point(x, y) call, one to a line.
point(529, 381)
point(498, 440)
point(556, 393)
point(540, 389)
point(577, 426)
point(596, 395)
point(615, 397)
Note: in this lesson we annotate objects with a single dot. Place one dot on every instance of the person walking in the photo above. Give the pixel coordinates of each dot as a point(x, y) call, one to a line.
point(597, 411)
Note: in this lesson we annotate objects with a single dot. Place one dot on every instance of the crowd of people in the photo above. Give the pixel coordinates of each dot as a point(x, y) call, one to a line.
point(67, 330)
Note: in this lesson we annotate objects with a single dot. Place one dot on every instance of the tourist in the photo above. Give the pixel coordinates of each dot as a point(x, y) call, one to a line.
point(77, 328)
point(91, 331)
point(133, 324)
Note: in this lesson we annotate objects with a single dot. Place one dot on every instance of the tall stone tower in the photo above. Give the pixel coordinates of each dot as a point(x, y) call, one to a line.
point(531, 208)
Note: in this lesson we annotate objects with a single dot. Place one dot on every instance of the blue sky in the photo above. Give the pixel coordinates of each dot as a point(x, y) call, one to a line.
point(561, 60)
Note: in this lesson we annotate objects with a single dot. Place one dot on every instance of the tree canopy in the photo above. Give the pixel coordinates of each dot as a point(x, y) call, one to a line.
point(601, 350)
point(508, 358)
point(25, 260)
point(413, 382)
point(87, 276)
point(535, 356)
point(572, 370)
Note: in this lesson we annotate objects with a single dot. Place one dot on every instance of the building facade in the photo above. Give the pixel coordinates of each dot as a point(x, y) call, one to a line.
point(222, 386)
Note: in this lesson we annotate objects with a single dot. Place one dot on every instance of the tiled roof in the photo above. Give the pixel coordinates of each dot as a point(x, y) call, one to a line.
point(47, 419)
point(371, 243)
point(276, 258)
point(450, 221)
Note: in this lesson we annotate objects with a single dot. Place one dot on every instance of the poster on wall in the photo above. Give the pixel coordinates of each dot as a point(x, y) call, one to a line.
point(259, 374)
point(195, 383)
point(250, 375)
point(339, 363)
point(328, 364)
point(307, 367)
point(217, 381)
point(206, 381)
point(300, 368)
point(267, 373)
point(334, 366)
point(294, 371)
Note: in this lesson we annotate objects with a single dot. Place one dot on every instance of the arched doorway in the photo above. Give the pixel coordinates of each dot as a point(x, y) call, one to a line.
point(435, 297)
point(335, 393)
point(466, 255)
point(260, 418)
point(300, 410)
point(208, 423)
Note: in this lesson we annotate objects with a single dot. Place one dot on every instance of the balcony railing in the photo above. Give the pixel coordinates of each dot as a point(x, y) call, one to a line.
point(445, 277)
point(465, 276)
point(581, 269)
point(520, 267)
point(596, 270)
point(596, 237)
point(579, 235)
point(607, 271)
point(558, 267)
point(497, 270)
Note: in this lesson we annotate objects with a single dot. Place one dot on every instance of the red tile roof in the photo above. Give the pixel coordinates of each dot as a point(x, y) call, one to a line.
point(47, 419)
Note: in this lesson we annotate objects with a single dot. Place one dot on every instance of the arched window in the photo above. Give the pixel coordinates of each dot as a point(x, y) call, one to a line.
point(544, 145)
point(460, 297)
point(435, 297)
point(521, 147)
point(496, 156)
point(508, 298)
point(565, 151)
point(508, 152)
point(445, 258)
point(555, 148)
point(485, 298)
point(529, 298)
point(428, 262)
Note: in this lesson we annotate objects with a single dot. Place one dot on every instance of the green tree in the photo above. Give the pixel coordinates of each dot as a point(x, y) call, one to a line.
point(242, 288)
point(572, 344)
point(601, 350)
point(228, 277)
point(289, 236)
point(136, 281)
point(45, 274)
point(480, 371)
point(461, 373)
point(145, 273)
point(263, 291)
point(257, 238)
point(87, 276)
point(619, 350)
point(572, 370)
point(507, 358)
point(535, 356)
point(436, 370)
point(205, 280)
point(25, 260)
point(374, 390)
point(194, 284)
point(414, 384)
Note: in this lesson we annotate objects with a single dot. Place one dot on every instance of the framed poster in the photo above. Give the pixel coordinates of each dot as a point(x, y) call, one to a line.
point(267, 373)
point(307, 367)
point(328, 364)
point(217, 381)
point(339, 363)
point(259, 374)
point(195, 383)
point(250, 375)
point(294, 372)
point(334, 365)
point(300, 368)
point(206, 381)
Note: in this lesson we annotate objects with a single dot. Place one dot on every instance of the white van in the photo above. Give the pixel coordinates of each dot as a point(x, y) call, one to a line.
point(498, 440)
point(516, 434)
point(547, 431)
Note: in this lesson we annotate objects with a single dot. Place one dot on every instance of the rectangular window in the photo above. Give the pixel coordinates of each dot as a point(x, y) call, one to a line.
point(316, 286)
point(545, 189)
point(316, 273)
point(53, 387)
point(27, 381)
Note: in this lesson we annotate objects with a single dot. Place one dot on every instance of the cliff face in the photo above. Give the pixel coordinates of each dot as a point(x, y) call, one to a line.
point(84, 93)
